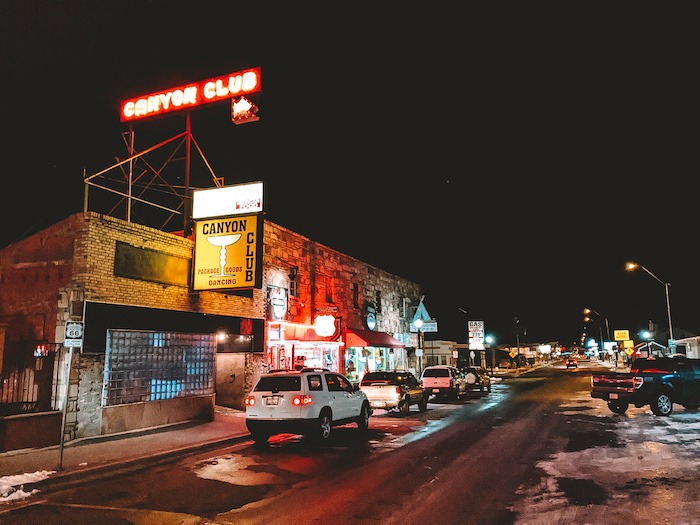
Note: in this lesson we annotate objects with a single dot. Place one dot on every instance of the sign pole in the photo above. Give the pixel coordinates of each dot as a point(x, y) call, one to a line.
point(73, 338)
point(65, 409)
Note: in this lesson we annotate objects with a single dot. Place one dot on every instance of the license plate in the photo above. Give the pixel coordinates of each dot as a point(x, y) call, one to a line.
point(271, 401)
point(377, 404)
point(436, 390)
point(613, 396)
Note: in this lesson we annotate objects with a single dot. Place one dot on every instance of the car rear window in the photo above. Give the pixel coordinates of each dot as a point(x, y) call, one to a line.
point(377, 376)
point(382, 378)
point(278, 384)
point(436, 372)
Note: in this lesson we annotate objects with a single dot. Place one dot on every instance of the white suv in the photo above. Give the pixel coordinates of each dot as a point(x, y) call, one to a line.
point(310, 401)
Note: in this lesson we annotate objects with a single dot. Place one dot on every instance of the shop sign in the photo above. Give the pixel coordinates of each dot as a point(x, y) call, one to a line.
point(191, 95)
point(371, 317)
point(277, 302)
point(227, 253)
point(621, 335)
point(237, 199)
point(324, 325)
point(429, 326)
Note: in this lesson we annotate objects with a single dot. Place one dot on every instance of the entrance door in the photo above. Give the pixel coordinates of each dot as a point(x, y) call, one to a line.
point(230, 380)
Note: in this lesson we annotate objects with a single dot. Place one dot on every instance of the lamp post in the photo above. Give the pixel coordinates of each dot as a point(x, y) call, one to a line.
point(588, 311)
point(632, 266)
point(418, 323)
point(489, 340)
point(600, 331)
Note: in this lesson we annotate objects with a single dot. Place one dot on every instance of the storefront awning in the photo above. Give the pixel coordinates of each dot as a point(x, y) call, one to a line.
point(357, 337)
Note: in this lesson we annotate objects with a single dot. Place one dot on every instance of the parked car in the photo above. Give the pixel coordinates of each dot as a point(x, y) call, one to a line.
point(477, 378)
point(310, 401)
point(394, 390)
point(443, 381)
point(571, 363)
point(657, 382)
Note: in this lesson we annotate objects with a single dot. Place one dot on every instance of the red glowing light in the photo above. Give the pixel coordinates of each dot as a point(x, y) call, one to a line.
point(191, 95)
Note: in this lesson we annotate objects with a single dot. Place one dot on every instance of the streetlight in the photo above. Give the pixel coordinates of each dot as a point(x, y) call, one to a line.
point(632, 266)
point(600, 331)
point(489, 340)
point(588, 311)
point(418, 323)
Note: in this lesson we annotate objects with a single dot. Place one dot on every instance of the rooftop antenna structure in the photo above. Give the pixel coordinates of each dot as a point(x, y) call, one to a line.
point(142, 180)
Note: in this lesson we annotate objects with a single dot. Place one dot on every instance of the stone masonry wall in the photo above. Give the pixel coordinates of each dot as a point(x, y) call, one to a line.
point(90, 377)
point(318, 264)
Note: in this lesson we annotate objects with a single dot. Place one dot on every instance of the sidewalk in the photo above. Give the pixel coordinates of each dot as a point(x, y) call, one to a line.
point(90, 457)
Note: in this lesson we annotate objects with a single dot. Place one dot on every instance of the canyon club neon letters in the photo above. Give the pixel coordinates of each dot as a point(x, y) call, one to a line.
point(191, 95)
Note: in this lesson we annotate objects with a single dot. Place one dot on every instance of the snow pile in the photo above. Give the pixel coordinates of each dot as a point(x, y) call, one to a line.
point(12, 487)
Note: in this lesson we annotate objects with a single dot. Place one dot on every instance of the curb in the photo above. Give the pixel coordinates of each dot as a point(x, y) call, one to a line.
point(72, 477)
point(76, 477)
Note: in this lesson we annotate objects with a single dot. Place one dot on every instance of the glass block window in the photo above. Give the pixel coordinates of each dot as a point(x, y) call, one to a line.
point(149, 366)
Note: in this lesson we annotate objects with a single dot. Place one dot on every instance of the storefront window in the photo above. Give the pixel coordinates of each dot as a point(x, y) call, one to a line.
point(299, 355)
point(359, 361)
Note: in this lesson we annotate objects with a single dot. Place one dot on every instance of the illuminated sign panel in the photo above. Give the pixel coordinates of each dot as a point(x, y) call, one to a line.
point(227, 253)
point(476, 335)
point(230, 200)
point(191, 95)
point(621, 335)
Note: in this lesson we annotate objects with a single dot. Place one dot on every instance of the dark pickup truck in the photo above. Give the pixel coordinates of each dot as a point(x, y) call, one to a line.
point(655, 381)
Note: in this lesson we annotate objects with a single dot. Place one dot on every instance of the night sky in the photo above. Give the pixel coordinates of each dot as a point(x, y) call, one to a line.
point(508, 158)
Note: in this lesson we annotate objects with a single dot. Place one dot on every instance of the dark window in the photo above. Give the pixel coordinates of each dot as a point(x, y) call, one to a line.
point(355, 295)
point(344, 383)
point(315, 382)
point(436, 372)
point(378, 300)
point(279, 384)
point(329, 289)
point(333, 383)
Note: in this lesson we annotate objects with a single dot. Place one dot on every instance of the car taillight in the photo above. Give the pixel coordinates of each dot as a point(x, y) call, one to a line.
point(637, 381)
point(398, 391)
point(249, 401)
point(452, 383)
point(304, 400)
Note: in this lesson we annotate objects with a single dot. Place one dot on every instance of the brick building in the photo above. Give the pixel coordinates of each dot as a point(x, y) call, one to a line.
point(156, 352)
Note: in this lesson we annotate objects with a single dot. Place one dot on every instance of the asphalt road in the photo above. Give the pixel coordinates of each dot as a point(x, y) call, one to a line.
point(534, 450)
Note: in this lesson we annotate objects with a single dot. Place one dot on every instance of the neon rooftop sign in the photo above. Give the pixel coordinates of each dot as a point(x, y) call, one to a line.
point(191, 95)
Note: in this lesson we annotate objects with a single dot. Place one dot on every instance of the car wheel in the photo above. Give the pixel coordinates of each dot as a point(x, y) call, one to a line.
point(423, 404)
point(323, 426)
point(363, 418)
point(405, 406)
point(488, 387)
point(661, 404)
point(259, 438)
point(617, 406)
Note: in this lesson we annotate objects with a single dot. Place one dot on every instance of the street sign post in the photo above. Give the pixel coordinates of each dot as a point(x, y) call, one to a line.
point(72, 339)
point(74, 334)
